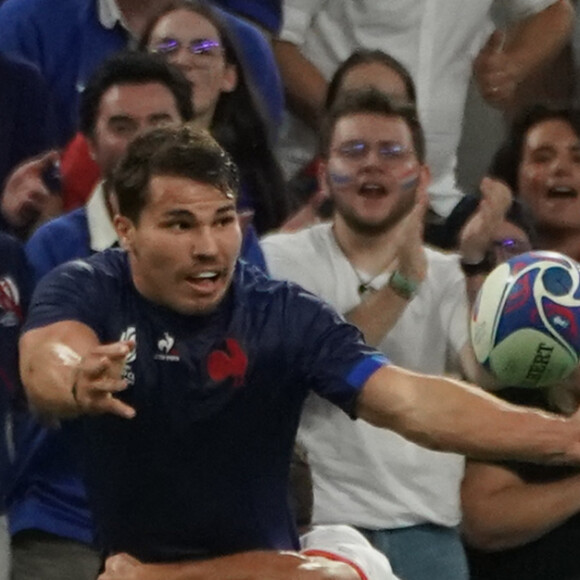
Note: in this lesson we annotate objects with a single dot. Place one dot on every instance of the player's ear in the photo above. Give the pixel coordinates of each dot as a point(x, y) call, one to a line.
point(125, 231)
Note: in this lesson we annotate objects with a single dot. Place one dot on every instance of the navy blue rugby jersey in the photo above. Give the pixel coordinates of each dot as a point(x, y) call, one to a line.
point(202, 470)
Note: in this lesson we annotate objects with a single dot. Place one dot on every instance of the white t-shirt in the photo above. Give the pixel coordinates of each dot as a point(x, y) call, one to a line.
point(436, 40)
point(344, 543)
point(363, 475)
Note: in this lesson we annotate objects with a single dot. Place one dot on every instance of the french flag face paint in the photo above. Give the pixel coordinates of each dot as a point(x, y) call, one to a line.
point(340, 179)
point(410, 180)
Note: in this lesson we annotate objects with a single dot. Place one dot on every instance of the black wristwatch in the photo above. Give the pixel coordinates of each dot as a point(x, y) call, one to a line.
point(485, 266)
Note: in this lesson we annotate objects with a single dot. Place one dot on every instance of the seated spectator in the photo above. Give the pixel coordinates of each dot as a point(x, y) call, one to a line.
point(226, 99)
point(409, 301)
point(441, 44)
point(14, 295)
point(26, 114)
point(520, 519)
point(540, 162)
point(27, 129)
point(363, 68)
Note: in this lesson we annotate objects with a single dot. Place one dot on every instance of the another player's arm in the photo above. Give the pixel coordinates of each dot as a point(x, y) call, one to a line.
point(67, 372)
point(244, 566)
point(501, 510)
point(448, 415)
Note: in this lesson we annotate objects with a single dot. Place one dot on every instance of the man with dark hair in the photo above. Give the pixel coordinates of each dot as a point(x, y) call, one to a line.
point(50, 522)
point(131, 92)
point(410, 302)
point(187, 370)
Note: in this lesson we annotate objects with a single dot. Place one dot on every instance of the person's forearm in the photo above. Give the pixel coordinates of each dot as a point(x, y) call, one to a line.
point(304, 84)
point(377, 314)
point(518, 514)
point(256, 565)
point(48, 371)
point(448, 415)
point(536, 40)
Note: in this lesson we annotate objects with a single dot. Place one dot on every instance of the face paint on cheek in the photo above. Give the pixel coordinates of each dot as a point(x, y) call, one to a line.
point(340, 179)
point(409, 181)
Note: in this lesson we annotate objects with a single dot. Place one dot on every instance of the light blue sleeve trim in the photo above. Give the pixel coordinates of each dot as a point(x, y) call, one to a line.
point(359, 375)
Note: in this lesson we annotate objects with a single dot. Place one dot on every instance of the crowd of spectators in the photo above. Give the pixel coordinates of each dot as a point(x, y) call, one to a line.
point(343, 121)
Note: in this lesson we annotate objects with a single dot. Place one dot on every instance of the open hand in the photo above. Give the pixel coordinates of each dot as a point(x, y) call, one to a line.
point(99, 377)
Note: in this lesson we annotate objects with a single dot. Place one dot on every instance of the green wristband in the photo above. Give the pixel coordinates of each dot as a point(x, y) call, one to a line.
point(403, 286)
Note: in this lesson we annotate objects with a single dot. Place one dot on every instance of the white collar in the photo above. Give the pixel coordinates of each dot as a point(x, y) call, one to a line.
point(102, 234)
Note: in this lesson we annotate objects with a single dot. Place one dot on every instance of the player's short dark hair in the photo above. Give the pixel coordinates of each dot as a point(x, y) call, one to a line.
point(133, 68)
point(370, 100)
point(364, 56)
point(506, 162)
point(171, 151)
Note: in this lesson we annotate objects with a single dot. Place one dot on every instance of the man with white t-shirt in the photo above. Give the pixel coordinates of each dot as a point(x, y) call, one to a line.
point(410, 301)
point(439, 41)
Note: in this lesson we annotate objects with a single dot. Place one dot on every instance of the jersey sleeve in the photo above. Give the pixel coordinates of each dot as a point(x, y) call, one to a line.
point(331, 354)
point(69, 292)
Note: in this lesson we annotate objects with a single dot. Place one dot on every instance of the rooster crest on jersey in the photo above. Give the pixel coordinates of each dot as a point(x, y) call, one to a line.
point(167, 348)
point(525, 325)
point(230, 362)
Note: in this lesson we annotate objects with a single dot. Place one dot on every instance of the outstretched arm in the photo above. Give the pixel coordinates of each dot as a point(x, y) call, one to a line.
point(449, 415)
point(259, 565)
point(67, 372)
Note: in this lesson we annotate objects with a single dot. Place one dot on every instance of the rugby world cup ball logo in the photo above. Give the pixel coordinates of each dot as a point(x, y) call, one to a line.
point(129, 334)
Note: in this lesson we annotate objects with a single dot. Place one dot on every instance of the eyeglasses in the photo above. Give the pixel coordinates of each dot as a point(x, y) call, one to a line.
point(197, 47)
point(388, 151)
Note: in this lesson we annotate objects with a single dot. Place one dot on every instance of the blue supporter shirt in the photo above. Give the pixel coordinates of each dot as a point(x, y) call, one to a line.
point(202, 470)
point(14, 287)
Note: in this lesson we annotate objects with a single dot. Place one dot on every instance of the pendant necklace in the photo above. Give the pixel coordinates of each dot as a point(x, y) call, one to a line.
point(364, 286)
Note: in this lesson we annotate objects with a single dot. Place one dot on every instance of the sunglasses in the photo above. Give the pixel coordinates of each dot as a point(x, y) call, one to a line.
point(197, 47)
